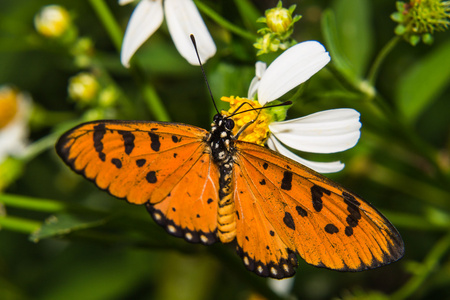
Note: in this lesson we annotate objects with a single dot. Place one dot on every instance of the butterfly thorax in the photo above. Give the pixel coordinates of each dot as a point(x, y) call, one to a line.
point(221, 144)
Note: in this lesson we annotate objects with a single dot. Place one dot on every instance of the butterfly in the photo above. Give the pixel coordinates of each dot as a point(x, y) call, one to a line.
point(207, 187)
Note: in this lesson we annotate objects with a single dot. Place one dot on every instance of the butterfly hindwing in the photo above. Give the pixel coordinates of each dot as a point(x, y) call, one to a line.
point(162, 164)
point(296, 210)
point(190, 210)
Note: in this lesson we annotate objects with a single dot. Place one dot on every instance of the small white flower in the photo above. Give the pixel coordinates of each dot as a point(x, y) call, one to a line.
point(323, 132)
point(183, 19)
point(14, 115)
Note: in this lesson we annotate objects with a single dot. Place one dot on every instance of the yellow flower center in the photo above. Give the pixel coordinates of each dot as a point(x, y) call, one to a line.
point(8, 106)
point(257, 132)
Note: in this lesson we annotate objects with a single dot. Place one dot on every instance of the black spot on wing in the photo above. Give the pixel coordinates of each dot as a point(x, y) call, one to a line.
point(286, 182)
point(155, 144)
point(355, 213)
point(117, 162)
point(175, 139)
point(151, 177)
point(99, 133)
point(271, 233)
point(316, 194)
point(128, 140)
point(289, 221)
point(348, 231)
point(301, 211)
point(262, 182)
point(140, 162)
point(265, 166)
point(331, 228)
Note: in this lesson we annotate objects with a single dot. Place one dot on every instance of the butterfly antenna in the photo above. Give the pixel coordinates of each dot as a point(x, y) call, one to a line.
point(258, 108)
point(203, 72)
point(254, 109)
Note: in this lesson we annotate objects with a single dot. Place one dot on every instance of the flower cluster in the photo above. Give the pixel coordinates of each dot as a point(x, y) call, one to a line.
point(280, 26)
point(419, 19)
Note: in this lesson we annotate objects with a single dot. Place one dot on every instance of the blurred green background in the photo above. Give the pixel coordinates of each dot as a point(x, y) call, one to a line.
point(93, 246)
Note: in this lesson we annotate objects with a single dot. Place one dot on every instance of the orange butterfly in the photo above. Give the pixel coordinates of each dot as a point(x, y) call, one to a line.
point(209, 186)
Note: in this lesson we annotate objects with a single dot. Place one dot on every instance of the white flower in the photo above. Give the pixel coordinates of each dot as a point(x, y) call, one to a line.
point(328, 131)
point(14, 115)
point(183, 19)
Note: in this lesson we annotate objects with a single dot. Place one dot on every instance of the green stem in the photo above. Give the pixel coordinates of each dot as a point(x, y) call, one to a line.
point(109, 22)
point(35, 204)
point(410, 138)
point(19, 224)
point(373, 72)
point(428, 266)
point(223, 22)
point(152, 100)
point(40, 146)
point(416, 188)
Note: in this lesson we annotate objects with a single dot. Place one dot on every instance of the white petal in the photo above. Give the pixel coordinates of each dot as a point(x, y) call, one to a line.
point(321, 167)
point(290, 69)
point(260, 68)
point(183, 19)
point(281, 287)
point(124, 2)
point(144, 21)
point(327, 131)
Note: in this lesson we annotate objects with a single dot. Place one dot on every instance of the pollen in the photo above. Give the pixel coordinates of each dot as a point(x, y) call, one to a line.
point(257, 132)
point(8, 105)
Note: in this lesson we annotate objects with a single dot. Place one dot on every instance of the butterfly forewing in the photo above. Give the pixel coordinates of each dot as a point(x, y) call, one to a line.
point(304, 212)
point(162, 164)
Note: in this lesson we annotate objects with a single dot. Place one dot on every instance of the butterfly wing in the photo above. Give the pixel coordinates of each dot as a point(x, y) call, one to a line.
point(284, 208)
point(164, 165)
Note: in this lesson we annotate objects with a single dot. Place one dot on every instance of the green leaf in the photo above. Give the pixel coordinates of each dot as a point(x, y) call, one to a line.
point(333, 43)
point(348, 35)
point(249, 14)
point(64, 223)
point(353, 21)
point(423, 83)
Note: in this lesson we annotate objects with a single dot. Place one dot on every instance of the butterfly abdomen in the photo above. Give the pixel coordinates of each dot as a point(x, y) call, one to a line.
point(226, 223)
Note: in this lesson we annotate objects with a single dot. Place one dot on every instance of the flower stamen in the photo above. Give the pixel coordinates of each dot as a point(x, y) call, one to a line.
point(257, 132)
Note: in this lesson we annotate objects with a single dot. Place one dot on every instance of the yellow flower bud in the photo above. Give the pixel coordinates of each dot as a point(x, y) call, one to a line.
point(279, 20)
point(83, 87)
point(52, 21)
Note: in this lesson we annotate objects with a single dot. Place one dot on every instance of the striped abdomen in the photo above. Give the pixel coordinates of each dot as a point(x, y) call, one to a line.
point(226, 212)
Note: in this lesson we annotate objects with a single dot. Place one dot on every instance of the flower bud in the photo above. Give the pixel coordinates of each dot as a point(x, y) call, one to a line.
point(52, 21)
point(83, 88)
point(279, 20)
